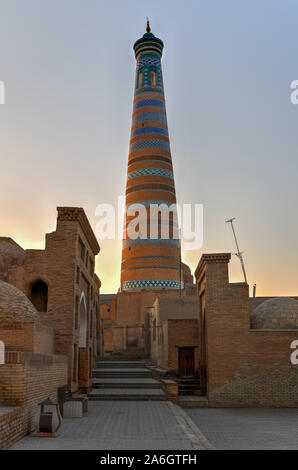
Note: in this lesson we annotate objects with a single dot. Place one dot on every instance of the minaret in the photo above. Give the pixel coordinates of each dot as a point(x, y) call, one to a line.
point(150, 263)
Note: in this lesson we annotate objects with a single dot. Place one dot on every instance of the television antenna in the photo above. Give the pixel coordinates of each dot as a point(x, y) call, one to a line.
point(239, 253)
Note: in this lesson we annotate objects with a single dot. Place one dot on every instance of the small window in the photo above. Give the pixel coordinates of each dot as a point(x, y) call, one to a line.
point(140, 81)
point(39, 296)
point(153, 79)
point(78, 275)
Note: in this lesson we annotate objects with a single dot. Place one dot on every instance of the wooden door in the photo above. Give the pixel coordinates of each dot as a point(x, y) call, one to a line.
point(186, 362)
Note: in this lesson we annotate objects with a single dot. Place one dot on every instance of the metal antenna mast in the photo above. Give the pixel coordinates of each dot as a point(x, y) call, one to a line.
point(239, 253)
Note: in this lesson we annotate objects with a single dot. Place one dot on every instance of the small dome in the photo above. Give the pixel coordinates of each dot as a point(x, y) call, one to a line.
point(186, 269)
point(15, 306)
point(10, 251)
point(187, 276)
point(148, 35)
point(280, 313)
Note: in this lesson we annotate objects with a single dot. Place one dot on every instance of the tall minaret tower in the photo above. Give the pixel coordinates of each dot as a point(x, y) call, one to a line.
point(150, 263)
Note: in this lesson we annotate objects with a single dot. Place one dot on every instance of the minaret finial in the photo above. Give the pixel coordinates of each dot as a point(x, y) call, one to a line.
point(148, 29)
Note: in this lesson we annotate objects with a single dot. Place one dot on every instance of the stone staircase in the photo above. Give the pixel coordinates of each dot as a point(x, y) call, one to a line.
point(189, 386)
point(124, 379)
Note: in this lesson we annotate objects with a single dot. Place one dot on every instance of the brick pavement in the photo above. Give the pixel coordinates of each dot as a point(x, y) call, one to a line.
point(122, 425)
point(248, 428)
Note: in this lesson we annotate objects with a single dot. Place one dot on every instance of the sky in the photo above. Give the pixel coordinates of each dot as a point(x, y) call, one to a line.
point(68, 68)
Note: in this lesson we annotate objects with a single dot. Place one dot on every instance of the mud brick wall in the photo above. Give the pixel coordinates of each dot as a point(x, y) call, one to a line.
point(181, 333)
point(11, 426)
point(17, 336)
point(26, 379)
point(245, 367)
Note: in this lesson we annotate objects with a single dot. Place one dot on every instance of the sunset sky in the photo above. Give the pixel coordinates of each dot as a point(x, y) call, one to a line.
point(68, 67)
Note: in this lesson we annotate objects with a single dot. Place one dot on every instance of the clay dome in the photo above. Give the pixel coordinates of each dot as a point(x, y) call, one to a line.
point(15, 306)
point(280, 313)
point(186, 268)
point(10, 251)
point(187, 276)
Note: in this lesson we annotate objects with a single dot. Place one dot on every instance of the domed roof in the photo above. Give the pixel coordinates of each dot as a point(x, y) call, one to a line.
point(148, 43)
point(187, 276)
point(15, 306)
point(148, 35)
point(186, 268)
point(10, 251)
point(280, 313)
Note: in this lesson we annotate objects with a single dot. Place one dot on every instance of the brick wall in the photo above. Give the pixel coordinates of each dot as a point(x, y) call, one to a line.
point(12, 390)
point(244, 367)
point(44, 339)
point(108, 338)
point(58, 266)
point(17, 336)
point(27, 379)
point(11, 426)
point(167, 308)
point(181, 333)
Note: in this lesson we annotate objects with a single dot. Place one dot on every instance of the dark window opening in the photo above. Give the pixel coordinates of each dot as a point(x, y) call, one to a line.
point(39, 296)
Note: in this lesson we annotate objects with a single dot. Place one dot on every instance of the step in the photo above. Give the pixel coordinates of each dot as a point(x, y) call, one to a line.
point(120, 365)
point(189, 387)
point(125, 383)
point(104, 375)
point(121, 373)
point(127, 394)
point(193, 402)
point(120, 358)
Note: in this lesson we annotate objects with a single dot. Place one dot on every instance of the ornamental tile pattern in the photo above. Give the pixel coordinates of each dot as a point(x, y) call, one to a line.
point(148, 60)
point(150, 143)
point(149, 102)
point(151, 116)
point(149, 130)
point(149, 172)
point(152, 284)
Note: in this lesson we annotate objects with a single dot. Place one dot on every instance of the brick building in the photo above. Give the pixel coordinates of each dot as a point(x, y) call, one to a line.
point(126, 315)
point(61, 284)
point(32, 370)
point(173, 329)
point(50, 320)
point(151, 266)
point(245, 343)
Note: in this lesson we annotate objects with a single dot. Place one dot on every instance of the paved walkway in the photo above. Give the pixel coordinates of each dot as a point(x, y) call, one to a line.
point(112, 425)
point(248, 428)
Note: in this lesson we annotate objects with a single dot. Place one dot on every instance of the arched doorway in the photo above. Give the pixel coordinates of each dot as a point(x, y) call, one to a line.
point(83, 360)
point(83, 322)
point(39, 295)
